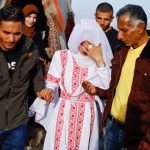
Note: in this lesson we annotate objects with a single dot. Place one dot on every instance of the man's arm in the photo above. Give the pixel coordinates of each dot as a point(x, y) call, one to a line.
point(92, 90)
point(46, 94)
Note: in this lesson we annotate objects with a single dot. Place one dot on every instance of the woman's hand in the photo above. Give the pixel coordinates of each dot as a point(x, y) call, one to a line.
point(93, 51)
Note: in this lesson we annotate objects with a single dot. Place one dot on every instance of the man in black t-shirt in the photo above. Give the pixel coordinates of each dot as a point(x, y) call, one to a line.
point(104, 17)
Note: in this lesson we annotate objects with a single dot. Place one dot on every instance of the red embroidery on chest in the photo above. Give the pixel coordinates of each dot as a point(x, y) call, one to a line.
point(77, 110)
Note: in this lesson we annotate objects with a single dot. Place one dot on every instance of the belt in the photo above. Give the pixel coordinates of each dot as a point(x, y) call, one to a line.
point(118, 123)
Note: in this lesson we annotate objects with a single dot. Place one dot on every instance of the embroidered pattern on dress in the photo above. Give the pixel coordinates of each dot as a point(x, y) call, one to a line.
point(75, 76)
point(76, 120)
point(59, 127)
point(63, 56)
point(84, 73)
point(80, 119)
point(60, 120)
point(53, 38)
point(72, 127)
point(52, 79)
point(76, 111)
point(92, 117)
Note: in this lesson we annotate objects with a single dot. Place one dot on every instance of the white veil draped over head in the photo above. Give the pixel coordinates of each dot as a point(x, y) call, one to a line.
point(89, 29)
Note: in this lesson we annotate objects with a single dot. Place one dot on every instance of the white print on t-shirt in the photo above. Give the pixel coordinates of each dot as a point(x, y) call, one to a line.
point(12, 65)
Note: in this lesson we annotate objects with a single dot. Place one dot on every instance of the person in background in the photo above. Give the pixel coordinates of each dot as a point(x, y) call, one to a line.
point(41, 21)
point(70, 20)
point(74, 122)
point(56, 24)
point(30, 30)
point(18, 61)
point(126, 117)
point(104, 17)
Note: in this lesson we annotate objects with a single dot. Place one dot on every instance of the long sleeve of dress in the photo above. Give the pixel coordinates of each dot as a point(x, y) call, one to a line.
point(54, 72)
point(105, 75)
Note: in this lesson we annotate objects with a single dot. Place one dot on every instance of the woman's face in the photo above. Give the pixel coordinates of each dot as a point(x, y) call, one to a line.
point(30, 20)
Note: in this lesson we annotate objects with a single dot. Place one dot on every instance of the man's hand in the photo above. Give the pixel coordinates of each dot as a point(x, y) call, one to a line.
point(89, 88)
point(46, 94)
point(144, 145)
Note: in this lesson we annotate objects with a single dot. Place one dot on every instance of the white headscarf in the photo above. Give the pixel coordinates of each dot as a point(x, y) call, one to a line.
point(88, 29)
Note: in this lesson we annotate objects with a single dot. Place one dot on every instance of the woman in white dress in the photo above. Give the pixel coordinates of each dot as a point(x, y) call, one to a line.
point(73, 123)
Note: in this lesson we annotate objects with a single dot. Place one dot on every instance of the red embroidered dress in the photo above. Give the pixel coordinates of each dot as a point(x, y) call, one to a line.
point(71, 120)
point(73, 124)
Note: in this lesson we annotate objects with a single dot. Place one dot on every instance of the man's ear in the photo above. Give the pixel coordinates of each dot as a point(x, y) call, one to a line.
point(141, 27)
point(112, 18)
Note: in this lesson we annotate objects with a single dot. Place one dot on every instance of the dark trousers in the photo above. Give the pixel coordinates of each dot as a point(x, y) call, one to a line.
point(13, 139)
point(114, 136)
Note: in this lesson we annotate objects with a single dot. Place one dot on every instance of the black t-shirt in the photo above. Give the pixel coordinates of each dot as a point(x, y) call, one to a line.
point(12, 58)
point(112, 38)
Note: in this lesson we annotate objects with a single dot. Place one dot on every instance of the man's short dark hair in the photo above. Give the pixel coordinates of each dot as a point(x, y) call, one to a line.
point(105, 7)
point(135, 12)
point(11, 13)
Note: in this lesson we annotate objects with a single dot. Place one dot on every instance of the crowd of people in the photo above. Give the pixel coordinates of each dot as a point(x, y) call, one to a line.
point(77, 86)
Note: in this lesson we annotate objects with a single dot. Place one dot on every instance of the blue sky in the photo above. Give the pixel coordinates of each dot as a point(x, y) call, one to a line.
point(86, 8)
